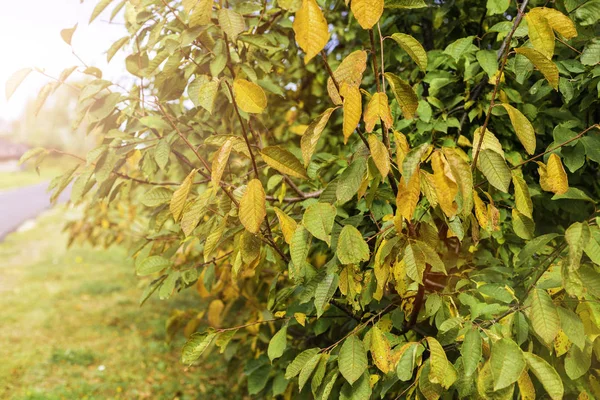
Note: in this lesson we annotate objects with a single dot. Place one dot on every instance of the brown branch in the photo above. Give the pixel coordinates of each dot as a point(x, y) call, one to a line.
point(311, 195)
point(330, 72)
point(504, 51)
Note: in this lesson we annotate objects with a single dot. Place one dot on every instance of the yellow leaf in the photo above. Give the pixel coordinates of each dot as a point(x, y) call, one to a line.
point(557, 20)
point(288, 225)
point(283, 161)
point(522, 127)
point(252, 206)
point(541, 62)
point(461, 171)
point(301, 318)
point(380, 350)
point(404, 94)
point(249, 96)
point(526, 388)
point(408, 195)
point(380, 155)
point(557, 177)
point(17, 78)
point(414, 49)
point(220, 162)
point(180, 196)
point(313, 134)
point(428, 189)
point(542, 171)
point(445, 185)
point(402, 148)
point(352, 110)
point(367, 12)
point(378, 108)
point(215, 313)
point(480, 211)
point(310, 28)
point(540, 34)
point(350, 71)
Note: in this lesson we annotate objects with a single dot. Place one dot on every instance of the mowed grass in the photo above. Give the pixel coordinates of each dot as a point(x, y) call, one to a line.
point(72, 327)
point(51, 166)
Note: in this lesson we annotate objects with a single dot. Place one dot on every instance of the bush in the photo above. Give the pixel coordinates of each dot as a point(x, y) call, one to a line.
point(372, 198)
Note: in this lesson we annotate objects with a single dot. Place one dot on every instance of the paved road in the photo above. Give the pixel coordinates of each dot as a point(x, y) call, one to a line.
point(20, 204)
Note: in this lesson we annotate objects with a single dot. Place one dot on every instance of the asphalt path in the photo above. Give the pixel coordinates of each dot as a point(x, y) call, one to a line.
point(21, 204)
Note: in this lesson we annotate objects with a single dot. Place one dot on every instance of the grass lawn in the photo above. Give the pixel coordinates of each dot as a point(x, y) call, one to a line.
point(51, 167)
point(72, 328)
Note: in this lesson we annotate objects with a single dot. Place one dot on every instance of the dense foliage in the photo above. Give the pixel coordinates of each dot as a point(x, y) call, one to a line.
point(377, 200)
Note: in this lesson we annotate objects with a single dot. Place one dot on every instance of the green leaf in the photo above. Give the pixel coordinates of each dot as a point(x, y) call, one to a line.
point(350, 180)
point(414, 261)
point(195, 346)
point(546, 374)
point(412, 160)
point(494, 168)
point(407, 361)
point(578, 361)
point(300, 245)
point(325, 291)
point(534, 246)
point(277, 344)
point(161, 153)
point(301, 359)
point(459, 47)
point(307, 370)
point(156, 196)
point(591, 51)
point(407, 4)
point(283, 161)
point(115, 47)
point(318, 220)
point(572, 326)
point(352, 248)
point(441, 372)
point(152, 265)
point(352, 360)
point(471, 351)
point(414, 49)
point(156, 122)
point(507, 363)
point(488, 61)
point(543, 315)
point(404, 94)
point(29, 154)
point(15, 81)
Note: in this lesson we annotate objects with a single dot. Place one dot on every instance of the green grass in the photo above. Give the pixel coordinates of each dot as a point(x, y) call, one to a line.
point(51, 167)
point(72, 328)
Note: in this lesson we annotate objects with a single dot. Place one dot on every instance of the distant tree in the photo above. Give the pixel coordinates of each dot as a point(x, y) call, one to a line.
point(377, 200)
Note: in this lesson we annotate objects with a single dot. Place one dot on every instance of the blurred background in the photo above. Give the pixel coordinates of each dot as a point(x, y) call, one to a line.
point(72, 327)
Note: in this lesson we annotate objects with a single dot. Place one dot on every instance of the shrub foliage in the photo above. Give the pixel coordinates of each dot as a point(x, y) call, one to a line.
point(377, 199)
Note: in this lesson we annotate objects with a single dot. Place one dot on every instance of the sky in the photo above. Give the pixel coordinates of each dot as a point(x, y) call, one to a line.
point(30, 37)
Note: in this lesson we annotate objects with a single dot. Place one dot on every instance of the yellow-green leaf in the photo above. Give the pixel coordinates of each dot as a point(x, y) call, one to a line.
point(352, 110)
point(557, 177)
point(231, 22)
point(252, 206)
point(367, 12)
point(507, 363)
point(543, 315)
point(490, 141)
point(557, 20)
point(522, 127)
point(319, 219)
point(180, 196)
point(441, 371)
point(310, 28)
point(414, 49)
point(352, 248)
point(99, 8)
point(313, 133)
point(283, 161)
point(249, 96)
point(352, 360)
point(220, 162)
point(378, 108)
point(380, 350)
point(404, 94)
point(546, 374)
point(380, 155)
point(540, 33)
point(526, 388)
point(494, 168)
point(200, 12)
point(541, 62)
point(522, 197)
